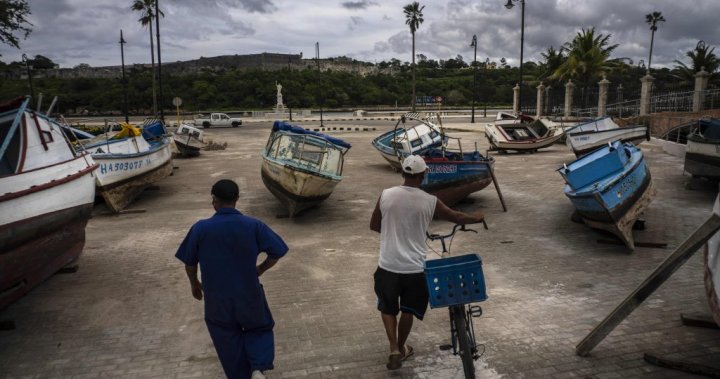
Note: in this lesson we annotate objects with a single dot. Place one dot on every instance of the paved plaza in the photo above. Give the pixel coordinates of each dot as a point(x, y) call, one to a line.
point(128, 312)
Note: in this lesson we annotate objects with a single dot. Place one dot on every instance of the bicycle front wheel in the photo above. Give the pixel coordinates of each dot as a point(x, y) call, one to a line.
point(464, 341)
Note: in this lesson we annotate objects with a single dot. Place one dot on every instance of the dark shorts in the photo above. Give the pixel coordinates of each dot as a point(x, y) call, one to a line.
point(401, 292)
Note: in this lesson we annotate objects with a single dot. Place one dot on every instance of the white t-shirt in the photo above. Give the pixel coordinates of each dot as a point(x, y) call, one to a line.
point(406, 215)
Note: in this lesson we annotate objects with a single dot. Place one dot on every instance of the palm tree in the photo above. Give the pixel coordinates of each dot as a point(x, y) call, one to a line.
point(553, 60)
point(652, 19)
point(587, 57)
point(701, 56)
point(413, 17)
point(147, 9)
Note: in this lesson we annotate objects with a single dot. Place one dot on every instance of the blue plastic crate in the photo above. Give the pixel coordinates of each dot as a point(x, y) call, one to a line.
point(455, 280)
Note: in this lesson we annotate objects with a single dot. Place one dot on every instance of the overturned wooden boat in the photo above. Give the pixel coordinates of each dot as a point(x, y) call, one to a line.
point(130, 161)
point(423, 134)
point(301, 168)
point(46, 198)
point(702, 157)
point(521, 134)
point(610, 188)
point(188, 140)
point(591, 135)
point(453, 175)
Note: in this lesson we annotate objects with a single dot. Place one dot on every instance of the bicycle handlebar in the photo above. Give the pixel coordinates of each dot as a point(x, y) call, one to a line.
point(462, 228)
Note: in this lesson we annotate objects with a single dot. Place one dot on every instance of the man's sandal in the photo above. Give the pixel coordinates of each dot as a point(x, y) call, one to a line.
point(409, 351)
point(394, 361)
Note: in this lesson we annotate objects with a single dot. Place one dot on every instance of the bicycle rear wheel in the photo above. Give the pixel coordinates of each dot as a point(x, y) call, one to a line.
point(464, 341)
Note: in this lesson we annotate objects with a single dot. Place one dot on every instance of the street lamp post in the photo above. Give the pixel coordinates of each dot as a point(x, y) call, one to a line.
point(474, 88)
point(510, 5)
point(320, 99)
point(487, 63)
point(29, 74)
point(124, 81)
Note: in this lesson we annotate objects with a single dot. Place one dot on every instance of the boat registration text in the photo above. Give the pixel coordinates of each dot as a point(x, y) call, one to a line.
point(124, 166)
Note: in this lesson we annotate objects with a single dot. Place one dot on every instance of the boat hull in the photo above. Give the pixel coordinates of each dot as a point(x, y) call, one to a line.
point(499, 139)
point(585, 142)
point(296, 189)
point(122, 178)
point(616, 207)
point(187, 150)
point(702, 158)
point(712, 270)
point(453, 181)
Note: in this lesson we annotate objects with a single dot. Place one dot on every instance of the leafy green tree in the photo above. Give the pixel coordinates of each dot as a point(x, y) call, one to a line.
point(413, 18)
point(13, 18)
point(42, 62)
point(652, 19)
point(147, 11)
point(701, 56)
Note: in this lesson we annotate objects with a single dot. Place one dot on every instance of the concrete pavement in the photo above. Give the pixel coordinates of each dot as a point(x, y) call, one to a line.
point(128, 311)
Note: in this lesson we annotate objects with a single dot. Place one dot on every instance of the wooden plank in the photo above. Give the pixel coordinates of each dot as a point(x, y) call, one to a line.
point(651, 283)
point(684, 366)
point(609, 241)
point(497, 187)
point(699, 321)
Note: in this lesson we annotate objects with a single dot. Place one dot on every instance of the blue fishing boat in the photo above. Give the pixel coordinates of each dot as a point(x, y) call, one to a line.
point(452, 176)
point(610, 188)
point(424, 134)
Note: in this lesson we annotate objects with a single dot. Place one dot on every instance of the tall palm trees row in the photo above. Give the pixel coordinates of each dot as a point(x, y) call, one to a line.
point(147, 11)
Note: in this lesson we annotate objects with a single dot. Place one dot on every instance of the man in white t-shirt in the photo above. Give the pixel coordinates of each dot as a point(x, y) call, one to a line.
point(402, 216)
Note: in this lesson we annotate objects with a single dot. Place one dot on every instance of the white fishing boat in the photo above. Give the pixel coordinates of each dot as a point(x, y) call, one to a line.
point(46, 197)
point(420, 136)
point(130, 161)
point(188, 140)
point(702, 157)
point(521, 133)
point(589, 136)
point(301, 168)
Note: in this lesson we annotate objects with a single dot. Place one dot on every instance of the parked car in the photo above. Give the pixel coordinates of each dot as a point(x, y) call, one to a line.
point(216, 119)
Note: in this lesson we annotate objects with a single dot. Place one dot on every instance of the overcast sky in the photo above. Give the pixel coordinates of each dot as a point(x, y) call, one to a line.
point(71, 32)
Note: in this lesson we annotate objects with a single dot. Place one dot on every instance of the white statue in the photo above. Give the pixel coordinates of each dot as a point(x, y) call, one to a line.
point(279, 106)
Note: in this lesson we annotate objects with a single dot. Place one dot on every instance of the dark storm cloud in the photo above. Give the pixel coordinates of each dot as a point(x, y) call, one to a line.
point(362, 4)
point(258, 6)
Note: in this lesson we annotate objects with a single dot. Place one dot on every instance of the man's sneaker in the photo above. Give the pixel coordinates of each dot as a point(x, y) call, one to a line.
point(257, 374)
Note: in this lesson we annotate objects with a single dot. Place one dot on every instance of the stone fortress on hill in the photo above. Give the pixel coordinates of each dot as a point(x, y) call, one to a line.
point(262, 61)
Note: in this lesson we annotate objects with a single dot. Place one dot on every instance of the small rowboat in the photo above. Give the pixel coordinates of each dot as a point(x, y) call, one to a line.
point(588, 136)
point(610, 188)
point(301, 168)
point(403, 140)
point(521, 134)
point(188, 140)
point(702, 157)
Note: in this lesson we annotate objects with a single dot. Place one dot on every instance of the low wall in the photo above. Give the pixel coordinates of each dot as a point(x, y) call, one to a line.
point(660, 123)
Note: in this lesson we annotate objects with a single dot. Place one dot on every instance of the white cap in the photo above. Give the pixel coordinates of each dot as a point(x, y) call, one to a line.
point(413, 165)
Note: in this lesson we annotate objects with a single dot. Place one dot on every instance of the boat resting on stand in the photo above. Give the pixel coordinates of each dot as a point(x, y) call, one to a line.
point(610, 188)
point(188, 140)
point(712, 269)
point(517, 134)
point(702, 156)
point(403, 140)
point(301, 168)
point(47, 189)
point(130, 162)
point(588, 136)
point(453, 175)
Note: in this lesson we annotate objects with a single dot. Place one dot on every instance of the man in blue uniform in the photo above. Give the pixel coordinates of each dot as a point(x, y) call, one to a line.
point(236, 312)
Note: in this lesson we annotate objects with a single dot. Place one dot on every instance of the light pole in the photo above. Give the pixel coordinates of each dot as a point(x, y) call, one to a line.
point(124, 81)
point(474, 88)
point(510, 5)
point(320, 100)
point(29, 74)
point(487, 63)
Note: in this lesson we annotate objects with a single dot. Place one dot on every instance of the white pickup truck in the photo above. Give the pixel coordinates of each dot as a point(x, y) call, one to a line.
point(216, 119)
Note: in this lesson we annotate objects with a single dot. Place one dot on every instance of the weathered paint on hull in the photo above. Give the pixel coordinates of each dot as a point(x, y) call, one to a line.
point(39, 247)
point(453, 193)
point(120, 194)
point(633, 135)
point(187, 150)
point(702, 158)
point(526, 146)
point(296, 190)
point(623, 224)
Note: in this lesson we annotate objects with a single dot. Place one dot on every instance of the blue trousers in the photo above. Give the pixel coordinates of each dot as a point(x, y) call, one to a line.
point(241, 330)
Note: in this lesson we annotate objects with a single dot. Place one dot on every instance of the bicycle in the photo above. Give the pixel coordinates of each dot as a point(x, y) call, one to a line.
point(456, 282)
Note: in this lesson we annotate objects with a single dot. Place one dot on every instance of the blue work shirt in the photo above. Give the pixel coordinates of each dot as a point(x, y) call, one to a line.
point(227, 246)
